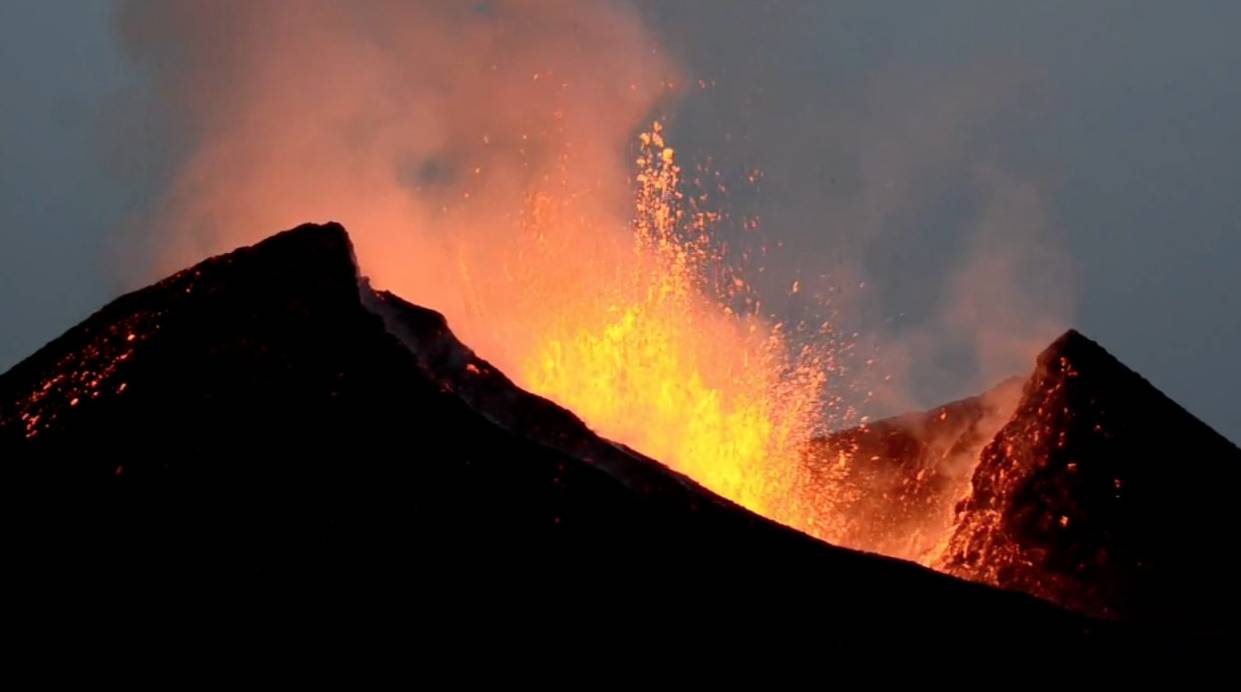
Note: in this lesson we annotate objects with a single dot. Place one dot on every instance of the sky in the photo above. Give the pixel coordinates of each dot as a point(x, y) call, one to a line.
point(1077, 158)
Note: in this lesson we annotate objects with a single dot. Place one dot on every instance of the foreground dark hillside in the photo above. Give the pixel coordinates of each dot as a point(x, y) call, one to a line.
point(259, 434)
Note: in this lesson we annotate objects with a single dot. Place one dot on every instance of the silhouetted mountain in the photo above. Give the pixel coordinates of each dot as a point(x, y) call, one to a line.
point(260, 438)
point(1103, 495)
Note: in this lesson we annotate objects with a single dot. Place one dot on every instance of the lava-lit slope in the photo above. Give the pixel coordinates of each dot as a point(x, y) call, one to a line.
point(248, 433)
point(1103, 495)
point(892, 484)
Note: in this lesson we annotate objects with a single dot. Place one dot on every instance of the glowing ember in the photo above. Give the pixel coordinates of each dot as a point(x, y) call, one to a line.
point(78, 375)
point(648, 356)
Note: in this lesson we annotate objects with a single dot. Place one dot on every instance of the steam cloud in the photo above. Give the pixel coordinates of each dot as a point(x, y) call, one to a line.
point(431, 130)
point(426, 128)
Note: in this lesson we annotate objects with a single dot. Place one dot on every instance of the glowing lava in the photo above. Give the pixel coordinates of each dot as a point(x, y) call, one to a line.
point(652, 359)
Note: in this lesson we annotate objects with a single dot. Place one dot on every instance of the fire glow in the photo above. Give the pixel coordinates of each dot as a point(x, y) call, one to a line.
point(651, 336)
point(477, 157)
point(654, 361)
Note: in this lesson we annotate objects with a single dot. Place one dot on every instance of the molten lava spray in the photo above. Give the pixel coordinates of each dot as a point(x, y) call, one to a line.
point(651, 358)
point(496, 161)
point(483, 158)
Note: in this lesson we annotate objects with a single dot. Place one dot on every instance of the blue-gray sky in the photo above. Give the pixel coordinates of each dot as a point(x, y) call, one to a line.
point(888, 134)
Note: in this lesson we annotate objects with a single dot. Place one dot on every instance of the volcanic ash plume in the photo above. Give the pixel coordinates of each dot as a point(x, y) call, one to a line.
point(498, 162)
point(487, 159)
point(438, 131)
point(470, 148)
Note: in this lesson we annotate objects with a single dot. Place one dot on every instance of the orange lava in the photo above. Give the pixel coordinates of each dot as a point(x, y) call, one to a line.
point(638, 341)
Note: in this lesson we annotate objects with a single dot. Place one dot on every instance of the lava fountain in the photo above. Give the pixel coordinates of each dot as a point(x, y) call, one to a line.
point(650, 351)
point(478, 156)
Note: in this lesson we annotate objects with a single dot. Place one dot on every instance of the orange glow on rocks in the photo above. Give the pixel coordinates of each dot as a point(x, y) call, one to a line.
point(558, 239)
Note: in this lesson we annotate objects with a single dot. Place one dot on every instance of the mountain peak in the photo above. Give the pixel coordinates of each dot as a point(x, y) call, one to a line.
point(1076, 347)
point(260, 424)
point(329, 238)
point(1070, 340)
point(1101, 494)
point(310, 251)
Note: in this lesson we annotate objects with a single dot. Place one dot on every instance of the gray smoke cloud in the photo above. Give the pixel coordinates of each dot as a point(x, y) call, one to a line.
point(899, 207)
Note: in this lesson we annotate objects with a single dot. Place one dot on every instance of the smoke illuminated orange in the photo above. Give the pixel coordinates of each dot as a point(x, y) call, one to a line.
point(647, 355)
point(475, 152)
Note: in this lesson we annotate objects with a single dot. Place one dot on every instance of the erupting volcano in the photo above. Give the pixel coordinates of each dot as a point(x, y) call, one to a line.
point(263, 429)
point(331, 420)
point(1055, 485)
point(541, 376)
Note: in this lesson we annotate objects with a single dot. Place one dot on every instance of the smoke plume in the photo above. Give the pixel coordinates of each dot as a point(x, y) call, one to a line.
point(433, 131)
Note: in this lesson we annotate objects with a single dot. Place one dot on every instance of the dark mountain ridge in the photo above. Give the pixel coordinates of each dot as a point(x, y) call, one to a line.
point(1105, 496)
point(1081, 484)
point(247, 439)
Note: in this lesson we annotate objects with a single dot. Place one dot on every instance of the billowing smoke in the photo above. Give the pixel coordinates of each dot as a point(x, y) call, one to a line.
point(485, 158)
point(433, 130)
point(925, 235)
point(441, 132)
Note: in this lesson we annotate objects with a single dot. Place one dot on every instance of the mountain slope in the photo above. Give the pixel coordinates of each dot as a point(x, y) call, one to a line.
point(248, 437)
point(893, 484)
point(1103, 495)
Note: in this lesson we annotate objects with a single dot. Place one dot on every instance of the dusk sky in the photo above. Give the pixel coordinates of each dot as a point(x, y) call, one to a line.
point(1078, 157)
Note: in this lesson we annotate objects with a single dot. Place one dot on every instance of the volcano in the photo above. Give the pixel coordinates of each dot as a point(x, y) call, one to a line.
point(264, 433)
point(1105, 496)
point(1081, 484)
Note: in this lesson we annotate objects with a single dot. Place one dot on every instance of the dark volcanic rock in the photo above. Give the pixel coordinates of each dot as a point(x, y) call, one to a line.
point(246, 437)
point(892, 485)
point(1103, 495)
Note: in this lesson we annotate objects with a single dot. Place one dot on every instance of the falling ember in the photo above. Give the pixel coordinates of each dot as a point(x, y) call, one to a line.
point(651, 358)
point(477, 162)
point(639, 328)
